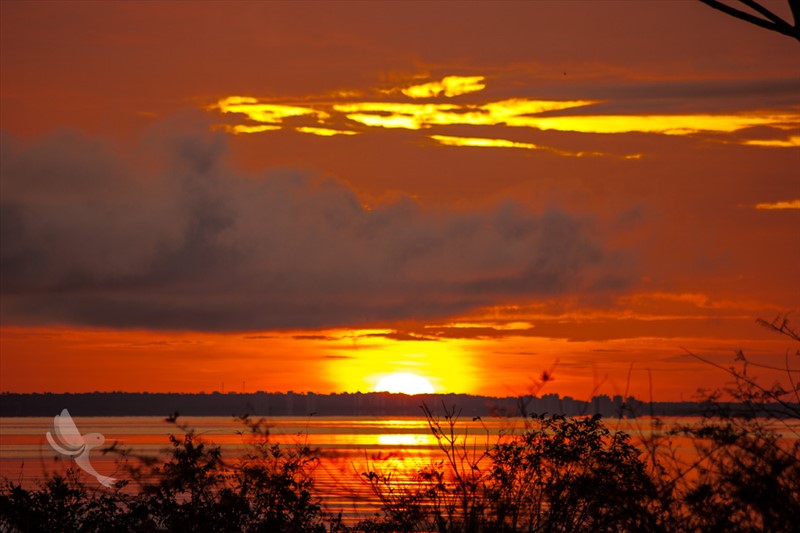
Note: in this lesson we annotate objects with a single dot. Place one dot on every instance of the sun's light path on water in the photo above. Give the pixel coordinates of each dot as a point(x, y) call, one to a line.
point(405, 383)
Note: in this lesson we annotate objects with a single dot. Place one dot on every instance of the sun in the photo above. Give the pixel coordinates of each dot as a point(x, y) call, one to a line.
point(405, 383)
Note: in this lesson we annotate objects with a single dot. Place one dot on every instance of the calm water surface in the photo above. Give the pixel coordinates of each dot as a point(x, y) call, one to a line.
point(347, 446)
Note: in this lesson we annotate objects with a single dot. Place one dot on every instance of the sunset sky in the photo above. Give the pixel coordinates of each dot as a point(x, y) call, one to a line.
point(312, 196)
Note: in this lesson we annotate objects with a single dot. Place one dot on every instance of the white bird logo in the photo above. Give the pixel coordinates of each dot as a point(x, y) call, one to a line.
point(69, 441)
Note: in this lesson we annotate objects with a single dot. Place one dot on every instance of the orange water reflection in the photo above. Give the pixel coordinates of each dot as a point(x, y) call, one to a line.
point(348, 448)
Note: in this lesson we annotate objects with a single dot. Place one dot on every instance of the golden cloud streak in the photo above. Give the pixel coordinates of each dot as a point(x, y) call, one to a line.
point(788, 204)
point(261, 112)
point(380, 121)
point(482, 142)
point(449, 86)
point(664, 124)
point(516, 107)
point(449, 140)
point(522, 113)
point(239, 129)
point(324, 132)
point(791, 142)
point(513, 112)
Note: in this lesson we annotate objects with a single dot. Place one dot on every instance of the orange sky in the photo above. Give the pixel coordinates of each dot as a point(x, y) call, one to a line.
point(311, 196)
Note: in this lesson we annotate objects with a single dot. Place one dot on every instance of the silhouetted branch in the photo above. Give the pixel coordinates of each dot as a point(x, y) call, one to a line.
point(771, 21)
point(780, 324)
point(755, 6)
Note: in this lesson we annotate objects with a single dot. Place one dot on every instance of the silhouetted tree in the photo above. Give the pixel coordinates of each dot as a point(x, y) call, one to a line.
point(768, 19)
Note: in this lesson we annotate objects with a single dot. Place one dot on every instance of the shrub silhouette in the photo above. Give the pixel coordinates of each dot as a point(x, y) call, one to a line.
point(747, 475)
point(570, 475)
point(62, 503)
point(270, 489)
point(560, 474)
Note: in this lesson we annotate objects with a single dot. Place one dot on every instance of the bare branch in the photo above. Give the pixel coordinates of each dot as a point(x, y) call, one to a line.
point(755, 6)
point(772, 21)
point(780, 324)
point(795, 7)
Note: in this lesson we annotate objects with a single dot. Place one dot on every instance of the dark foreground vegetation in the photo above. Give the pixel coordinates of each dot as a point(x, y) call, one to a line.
point(724, 472)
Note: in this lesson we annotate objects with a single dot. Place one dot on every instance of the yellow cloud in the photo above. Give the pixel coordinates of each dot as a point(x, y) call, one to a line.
point(523, 113)
point(788, 204)
point(665, 124)
point(482, 142)
point(792, 141)
point(513, 112)
point(324, 132)
point(449, 86)
point(516, 107)
point(449, 140)
point(255, 110)
point(245, 128)
point(398, 115)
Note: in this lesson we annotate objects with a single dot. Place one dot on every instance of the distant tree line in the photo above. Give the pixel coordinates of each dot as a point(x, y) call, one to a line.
point(346, 404)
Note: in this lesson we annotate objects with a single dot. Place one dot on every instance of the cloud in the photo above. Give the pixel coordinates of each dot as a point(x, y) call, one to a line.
point(787, 204)
point(189, 242)
point(792, 142)
point(690, 96)
point(482, 142)
point(641, 107)
point(449, 86)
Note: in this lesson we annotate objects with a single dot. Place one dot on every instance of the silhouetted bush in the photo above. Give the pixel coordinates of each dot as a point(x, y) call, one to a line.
point(560, 474)
point(570, 475)
point(194, 489)
point(746, 475)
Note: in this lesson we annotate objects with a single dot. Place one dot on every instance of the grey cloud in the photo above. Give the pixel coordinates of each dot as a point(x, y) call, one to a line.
point(188, 242)
point(684, 96)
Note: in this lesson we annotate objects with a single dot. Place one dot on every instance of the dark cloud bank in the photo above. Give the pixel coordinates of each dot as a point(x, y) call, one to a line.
point(187, 242)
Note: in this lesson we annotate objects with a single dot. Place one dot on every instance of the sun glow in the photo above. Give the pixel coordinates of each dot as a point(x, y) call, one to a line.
point(405, 383)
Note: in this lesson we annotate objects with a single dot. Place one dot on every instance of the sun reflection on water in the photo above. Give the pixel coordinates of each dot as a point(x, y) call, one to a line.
point(406, 439)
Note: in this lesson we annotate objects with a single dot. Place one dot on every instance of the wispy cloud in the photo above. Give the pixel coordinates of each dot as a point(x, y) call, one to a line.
point(483, 142)
point(791, 142)
point(787, 204)
point(324, 132)
point(249, 128)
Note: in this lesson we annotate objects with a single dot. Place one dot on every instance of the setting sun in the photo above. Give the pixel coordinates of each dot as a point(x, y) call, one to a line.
point(405, 383)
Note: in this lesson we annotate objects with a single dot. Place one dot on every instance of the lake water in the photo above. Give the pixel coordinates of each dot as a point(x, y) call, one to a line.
point(346, 446)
